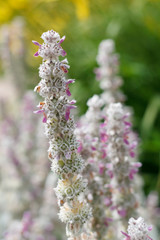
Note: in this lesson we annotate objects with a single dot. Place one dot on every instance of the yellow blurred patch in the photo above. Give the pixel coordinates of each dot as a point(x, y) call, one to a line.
point(18, 4)
point(5, 12)
point(82, 8)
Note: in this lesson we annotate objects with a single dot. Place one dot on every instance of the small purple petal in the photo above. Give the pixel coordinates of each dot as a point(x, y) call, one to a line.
point(63, 53)
point(126, 141)
point(73, 102)
point(70, 81)
point(67, 115)
point(110, 173)
point(80, 148)
point(27, 222)
point(36, 43)
point(44, 119)
point(36, 54)
point(126, 235)
point(107, 201)
point(101, 168)
point(132, 154)
point(93, 148)
point(62, 39)
point(103, 137)
point(39, 111)
point(127, 123)
point(138, 164)
point(150, 228)
point(122, 212)
point(68, 92)
point(104, 153)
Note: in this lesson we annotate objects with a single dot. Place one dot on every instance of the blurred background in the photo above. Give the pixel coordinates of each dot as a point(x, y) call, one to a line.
point(135, 27)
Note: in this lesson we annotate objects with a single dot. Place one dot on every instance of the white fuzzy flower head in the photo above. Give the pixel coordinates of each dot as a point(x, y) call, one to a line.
point(79, 212)
point(107, 46)
point(70, 188)
point(138, 229)
point(50, 36)
point(115, 111)
point(95, 102)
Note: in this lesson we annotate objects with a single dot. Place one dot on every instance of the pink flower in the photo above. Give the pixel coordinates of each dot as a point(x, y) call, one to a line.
point(27, 222)
point(134, 170)
point(122, 212)
point(101, 168)
point(67, 88)
point(126, 235)
point(62, 40)
point(68, 108)
point(80, 148)
point(40, 110)
point(38, 44)
point(107, 201)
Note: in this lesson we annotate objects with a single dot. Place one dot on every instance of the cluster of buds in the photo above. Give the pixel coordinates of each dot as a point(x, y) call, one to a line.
point(137, 230)
point(107, 72)
point(121, 146)
point(92, 148)
point(59, 128)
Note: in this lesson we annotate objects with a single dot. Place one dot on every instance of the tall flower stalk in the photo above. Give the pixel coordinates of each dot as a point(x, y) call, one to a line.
point(103, 139)
point(59, 129)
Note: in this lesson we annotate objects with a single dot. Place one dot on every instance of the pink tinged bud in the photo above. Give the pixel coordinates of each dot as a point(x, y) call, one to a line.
point(39, 111)
point(67, 115)
point(102, 125)
point(133, 145)
point(68, 108)
point(27, 222)
point(126, 141)
point(103, 137)
point(73, 102)
point(36, 54)
point(150, 228)
point(80, 148)
point(91, 161)
point(63, 53)
point(70, 81)
point(107, 202)
point(62, 40)
point(127, 123)
point(109, 165)
point(110, 173)
point(101, 168)
point(126, 235)
point(93, 148)
point(44, 118)
point(132, 173)
point(138, 164)
point(104, 155)
point(98, 73)
point(132, 154)
point(122, 212)
point(68, 92)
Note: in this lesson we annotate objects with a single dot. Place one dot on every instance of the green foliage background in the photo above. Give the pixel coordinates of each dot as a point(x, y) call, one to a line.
point(135, 27)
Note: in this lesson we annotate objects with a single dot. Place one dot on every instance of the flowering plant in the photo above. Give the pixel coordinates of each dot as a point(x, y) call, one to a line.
point(59, 128)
